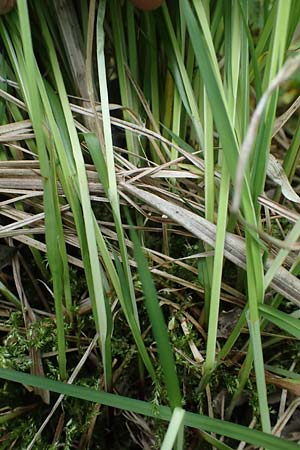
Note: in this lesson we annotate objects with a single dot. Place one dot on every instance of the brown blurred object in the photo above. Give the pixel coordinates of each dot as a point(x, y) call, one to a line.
point(6, 5)
point(293, 386)
point(147, 5)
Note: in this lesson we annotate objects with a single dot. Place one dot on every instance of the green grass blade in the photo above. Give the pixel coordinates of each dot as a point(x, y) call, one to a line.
point(52, 215)
point(291, 158)
point(254, 328)
point(158, 326)
point(283, 372)
point(9, 295)
point(282, 254)
point(121, 60)
point(174, 429)
point(217, 274)
point(102, 309)
point(126, 305)
point(273, 64)
point(184, 79)
point(112, 192)
point(198, 421)
point(214, 442)
point(281, 319)
point(257, 78)
point(229, 142)
point(117, 275)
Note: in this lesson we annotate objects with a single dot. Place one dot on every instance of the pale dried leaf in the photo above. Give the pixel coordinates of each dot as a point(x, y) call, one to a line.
point(277, 174)
point(235, 249)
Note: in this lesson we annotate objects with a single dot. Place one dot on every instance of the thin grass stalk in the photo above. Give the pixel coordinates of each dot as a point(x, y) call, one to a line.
point(192, 108)
point(84, 14)
point(209, 192)
point(133, 61)
point(209, 181)
point(244, 82)
point(232, 56)
point(121, 61)
point(293, 21)
point(217, 26)
point(176, 114)
point(117, 277)
point(52, 216)
point(153, 65)
point(260, 49)
point(252, 263)
point(209, 160)
point(227, 347)
point(125, 301)
point(292, 237)
point(273, 64)
point(38, 258)
point(132, 49)
point(179, 116)
point(101, 308)
point(169, 108)
point(248, 41)
point(159, 328)
point(17, 64)
point(174, 431)
point(62, 267)
point(292, 157)
point(207, 33)
point(232, 61)
point(188, 57)
point(255, 296)
point(228, 139)
point(216, 277)
point(258, 176)
point(242, 380)
point(214, 442)
point(112, 193)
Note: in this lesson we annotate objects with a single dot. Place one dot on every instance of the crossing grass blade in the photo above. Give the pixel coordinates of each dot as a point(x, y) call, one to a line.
point(175, 431)
point(198, 421)
point(281, 319)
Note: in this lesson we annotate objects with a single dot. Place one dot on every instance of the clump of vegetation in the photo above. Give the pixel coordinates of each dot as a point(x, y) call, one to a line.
point(149, 225)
